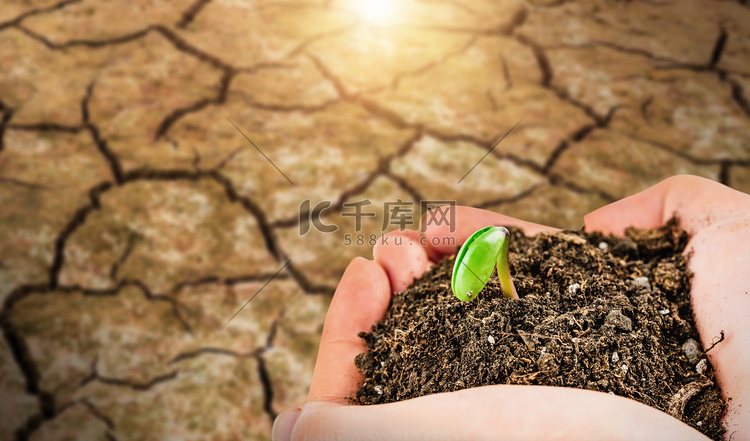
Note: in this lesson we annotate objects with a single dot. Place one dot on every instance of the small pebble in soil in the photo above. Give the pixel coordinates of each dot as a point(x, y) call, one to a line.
point(701, 367)
point(692, 350)
point(664, 311)
point(615, 357)
point(491, 339)
point(603, 245)
point(617, 320)
point(572, 289)
point(642, 282)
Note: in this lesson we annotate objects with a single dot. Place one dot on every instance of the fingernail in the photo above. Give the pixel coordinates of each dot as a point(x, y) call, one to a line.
point(284, 424)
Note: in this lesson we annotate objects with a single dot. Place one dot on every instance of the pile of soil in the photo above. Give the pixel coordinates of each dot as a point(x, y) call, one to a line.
point(596, 312)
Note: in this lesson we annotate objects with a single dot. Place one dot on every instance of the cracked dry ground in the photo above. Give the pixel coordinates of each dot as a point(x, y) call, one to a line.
point(135, 220)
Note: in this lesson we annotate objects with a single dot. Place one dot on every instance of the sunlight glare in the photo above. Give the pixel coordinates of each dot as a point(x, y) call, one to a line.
point(377, 12)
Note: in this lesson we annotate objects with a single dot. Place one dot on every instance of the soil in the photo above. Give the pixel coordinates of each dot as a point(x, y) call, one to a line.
point(596, 312)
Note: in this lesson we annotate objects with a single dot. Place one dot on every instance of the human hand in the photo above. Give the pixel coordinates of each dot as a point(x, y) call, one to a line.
point(717, 219)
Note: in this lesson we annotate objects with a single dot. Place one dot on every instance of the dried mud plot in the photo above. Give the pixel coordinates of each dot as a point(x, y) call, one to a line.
point(600, 313)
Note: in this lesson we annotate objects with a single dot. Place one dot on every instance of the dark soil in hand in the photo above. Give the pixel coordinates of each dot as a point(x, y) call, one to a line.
point(596, 312)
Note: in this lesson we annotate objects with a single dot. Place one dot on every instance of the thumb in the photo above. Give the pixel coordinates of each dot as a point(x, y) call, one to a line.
point(361, 299)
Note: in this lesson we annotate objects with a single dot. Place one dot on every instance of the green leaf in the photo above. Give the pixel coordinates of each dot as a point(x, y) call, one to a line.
point(476, 260)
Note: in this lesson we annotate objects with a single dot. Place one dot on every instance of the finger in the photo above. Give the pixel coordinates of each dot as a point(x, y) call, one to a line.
point(284, 424)
point(362, 298)
point(494, 413)
point(445, 230)
point(689, 198)
point(403, 258)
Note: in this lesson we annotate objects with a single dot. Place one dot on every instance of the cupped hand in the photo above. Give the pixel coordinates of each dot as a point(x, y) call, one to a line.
point(718, 221)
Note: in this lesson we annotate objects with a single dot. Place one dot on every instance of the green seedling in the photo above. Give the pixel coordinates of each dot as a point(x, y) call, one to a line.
point(478, 257)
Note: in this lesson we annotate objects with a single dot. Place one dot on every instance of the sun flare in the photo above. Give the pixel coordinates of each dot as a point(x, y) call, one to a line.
point(377, 12)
